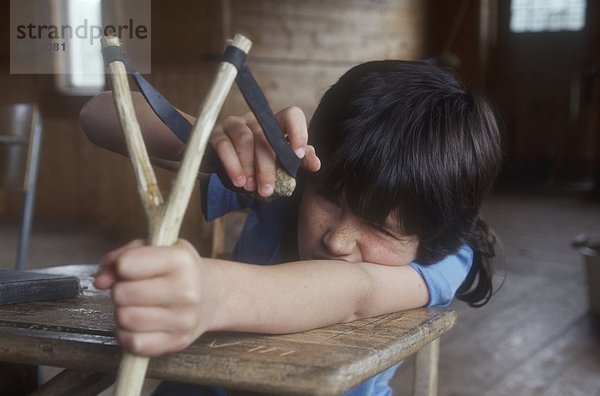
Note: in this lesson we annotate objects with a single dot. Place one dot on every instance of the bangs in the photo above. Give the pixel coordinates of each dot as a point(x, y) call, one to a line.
point(399, 142)
point(368, 176)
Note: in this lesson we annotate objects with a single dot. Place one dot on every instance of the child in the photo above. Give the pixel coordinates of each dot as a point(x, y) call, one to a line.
point(385, 219)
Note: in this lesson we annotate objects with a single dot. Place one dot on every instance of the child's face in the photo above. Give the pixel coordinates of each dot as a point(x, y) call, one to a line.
point(329, 230)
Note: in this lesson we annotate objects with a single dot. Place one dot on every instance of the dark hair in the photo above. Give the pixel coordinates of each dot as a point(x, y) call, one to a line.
point(406, 138)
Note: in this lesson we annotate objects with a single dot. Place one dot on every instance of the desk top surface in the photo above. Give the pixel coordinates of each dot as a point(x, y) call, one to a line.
point(78, 334)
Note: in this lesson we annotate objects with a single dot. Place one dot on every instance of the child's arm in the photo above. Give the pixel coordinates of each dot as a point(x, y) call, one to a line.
point(100, 123)
point(238, 141)
point(166, 297)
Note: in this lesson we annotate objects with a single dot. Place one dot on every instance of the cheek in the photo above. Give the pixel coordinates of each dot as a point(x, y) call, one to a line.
point(389, 253)
point(311, 227)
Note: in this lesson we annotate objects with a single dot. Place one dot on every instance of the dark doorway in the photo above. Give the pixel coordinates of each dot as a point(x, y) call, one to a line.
point(544, 83)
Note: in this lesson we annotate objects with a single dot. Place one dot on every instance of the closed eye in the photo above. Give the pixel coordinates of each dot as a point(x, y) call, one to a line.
point(383, 230)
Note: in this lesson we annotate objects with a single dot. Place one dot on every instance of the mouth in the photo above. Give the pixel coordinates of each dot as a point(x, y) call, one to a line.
point(329, 258)
point(319, 256)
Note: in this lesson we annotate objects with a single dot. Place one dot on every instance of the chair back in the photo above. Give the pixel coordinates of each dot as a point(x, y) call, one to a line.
point(20, 141)
point(20, 134)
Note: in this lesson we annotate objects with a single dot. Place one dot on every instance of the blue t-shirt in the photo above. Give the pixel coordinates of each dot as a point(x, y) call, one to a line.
point(261, 242)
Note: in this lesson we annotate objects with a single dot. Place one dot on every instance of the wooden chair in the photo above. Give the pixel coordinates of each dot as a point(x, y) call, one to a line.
point(20, 140)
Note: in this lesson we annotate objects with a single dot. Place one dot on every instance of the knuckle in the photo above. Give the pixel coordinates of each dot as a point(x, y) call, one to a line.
point(220, 143)
point(189, 295)
point(126, 318)
point(121, 317)
point(232, 120)
point(187, 322)
point(244, 137)
point(189, 250)
point(180, 343)
point(185, 244)
point(121, 265)
point(118, 296)
point(182, 258)
point(254, 125)
point(294, 111)
point(247, 116)
point(128, 341)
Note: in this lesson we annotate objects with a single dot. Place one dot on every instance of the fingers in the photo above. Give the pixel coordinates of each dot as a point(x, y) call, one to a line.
point(162, 291)
point(311, 162)
point(233, 140)
point(151, 343)
point(293, 123)
point(147, 262)
point(153, 319)
point(136, 261)
point(265, 164)
point(157, 295)
point(144, 319)
point(106, 276)
point(247, 156)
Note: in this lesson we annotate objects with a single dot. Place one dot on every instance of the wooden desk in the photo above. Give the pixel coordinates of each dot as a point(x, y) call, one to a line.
point(78, 334)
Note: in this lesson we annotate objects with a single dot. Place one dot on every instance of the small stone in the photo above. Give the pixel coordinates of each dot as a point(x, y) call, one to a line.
point(285, 184)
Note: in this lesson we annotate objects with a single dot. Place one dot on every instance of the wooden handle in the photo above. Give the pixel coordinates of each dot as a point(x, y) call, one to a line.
point(194, 152)
point(142, 168)
point(165, 219)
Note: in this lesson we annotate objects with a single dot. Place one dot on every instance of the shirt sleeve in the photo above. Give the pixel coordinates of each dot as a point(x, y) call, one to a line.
point(218, 200)
point(445, 277)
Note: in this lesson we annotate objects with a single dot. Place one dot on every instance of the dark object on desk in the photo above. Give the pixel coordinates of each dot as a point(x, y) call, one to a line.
point(20, 286)
point(18, 379)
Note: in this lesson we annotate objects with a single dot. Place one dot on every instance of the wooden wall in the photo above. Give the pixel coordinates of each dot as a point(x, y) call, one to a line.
point(300, 48)
point(459, 34)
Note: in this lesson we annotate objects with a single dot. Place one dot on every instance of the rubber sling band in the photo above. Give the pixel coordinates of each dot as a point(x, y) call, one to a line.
point(251, 92)
point(177, 123)
point(260, 107)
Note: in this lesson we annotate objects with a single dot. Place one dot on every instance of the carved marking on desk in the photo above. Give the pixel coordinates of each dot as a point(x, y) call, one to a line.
point(268, 350)
point(256, 348)
point(214, 344)
point(263, 349)
point(368, 322)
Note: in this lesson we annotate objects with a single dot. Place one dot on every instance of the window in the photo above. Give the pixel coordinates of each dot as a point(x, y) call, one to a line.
point(80, 68)
point(547, 15)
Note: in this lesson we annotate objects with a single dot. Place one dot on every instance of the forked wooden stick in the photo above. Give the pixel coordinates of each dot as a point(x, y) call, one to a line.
point(164, 220)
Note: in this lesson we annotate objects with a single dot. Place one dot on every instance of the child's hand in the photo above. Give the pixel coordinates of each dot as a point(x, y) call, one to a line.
point(247, 156)
point(161, 296)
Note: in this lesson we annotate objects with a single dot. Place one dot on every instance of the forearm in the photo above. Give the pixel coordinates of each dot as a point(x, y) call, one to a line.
point(165, 297)
point(100, 122)
point(306, 295)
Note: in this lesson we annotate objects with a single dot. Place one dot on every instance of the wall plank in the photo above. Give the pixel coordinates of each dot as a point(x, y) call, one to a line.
point(331, 31)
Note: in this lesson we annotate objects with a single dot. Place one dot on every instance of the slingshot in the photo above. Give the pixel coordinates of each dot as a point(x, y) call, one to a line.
point(164, 218)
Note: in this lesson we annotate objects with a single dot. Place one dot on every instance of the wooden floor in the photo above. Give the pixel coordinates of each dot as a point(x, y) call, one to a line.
point(535, 337)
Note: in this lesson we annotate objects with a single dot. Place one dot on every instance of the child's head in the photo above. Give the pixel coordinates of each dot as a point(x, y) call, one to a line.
point(406, 141)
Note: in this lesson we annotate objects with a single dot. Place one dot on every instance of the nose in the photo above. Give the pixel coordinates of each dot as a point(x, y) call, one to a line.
point(341, 239)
